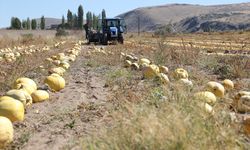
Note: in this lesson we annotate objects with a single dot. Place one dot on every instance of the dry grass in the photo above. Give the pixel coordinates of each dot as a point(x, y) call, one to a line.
point(146, 115)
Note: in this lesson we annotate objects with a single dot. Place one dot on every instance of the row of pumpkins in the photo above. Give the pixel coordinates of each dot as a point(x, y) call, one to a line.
point(208, 97)
point(11, 54)
point(25, 92)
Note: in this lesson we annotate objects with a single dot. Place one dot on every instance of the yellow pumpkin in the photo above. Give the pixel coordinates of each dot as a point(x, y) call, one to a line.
point(135, 66)
point(57, 70)
point(129, 57)
point(185, 82)
point(206, 107)
point(25, 81)
point(72, 57)
point(163, 69)
point(12, 109)
point(55, 82)
point(228, 84)
point(237, 98)
point(144, 61)
point(64, 65)
point(40, 96)
point(26, 87)
point(150, 71)
point(163, 78)
point(20, 95)
point(60, 56)
point(180, 73)
point(216, 88)
point(6, 98)
point(127, 63)
point(56, 62)
point(241, 93)
point(206, 96)
point(244, 104)
point(209, 108)
point(6, 132)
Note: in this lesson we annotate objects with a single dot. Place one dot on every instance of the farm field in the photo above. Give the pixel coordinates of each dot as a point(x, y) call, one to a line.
point(110, 101)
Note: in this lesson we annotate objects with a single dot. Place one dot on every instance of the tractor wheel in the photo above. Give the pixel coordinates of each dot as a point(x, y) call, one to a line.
point(105, 40)
point(121, 40)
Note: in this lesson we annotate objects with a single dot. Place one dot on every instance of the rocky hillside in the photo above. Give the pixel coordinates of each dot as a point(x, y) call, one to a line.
point(190, 18)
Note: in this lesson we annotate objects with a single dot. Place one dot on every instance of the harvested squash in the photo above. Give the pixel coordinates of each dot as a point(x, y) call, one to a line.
point(135, 66)
point(129, 57)
point(6, 98)
point(12, 109)
point(163, 69)
point(237, 98)
point(127, 63)
point(26, 87)
point(216, 88)
point(150, 71)
point(244, 104)
point(209, 108)
point(180, 73)
point(26, 81)
point(228, 84)
point(6, 132)
point(185, 82)
point(163, 78)
point(144, 61)
point(57, 70)
point(20, 95)
point(40, 96)
point(65, 65)
point(206, 96)
point(55, 82)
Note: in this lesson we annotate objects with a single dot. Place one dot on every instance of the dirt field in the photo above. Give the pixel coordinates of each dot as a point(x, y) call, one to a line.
point(107, 106)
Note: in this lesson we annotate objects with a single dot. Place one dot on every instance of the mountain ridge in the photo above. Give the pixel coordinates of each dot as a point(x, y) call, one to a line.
point(154, 17)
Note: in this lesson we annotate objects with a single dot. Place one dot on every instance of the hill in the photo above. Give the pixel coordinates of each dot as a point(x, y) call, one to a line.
point(190, 18)
point(50, 21)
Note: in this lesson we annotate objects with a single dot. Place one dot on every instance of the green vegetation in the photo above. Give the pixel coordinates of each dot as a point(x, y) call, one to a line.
point(42, 24)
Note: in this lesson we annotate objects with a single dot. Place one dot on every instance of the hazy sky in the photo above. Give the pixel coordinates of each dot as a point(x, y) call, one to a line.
point(56, 8)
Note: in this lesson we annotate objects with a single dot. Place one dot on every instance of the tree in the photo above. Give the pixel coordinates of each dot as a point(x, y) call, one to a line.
point(24, 24)
point(95, 21)
point(28, 23)
point(80, 17)
point(89, 18)
point(70, 19)
point(63, 21)
point(75, 21)
point(33, 24)
point(42, 24)
point(12, 22)
point(103, 14)
point(17, 23)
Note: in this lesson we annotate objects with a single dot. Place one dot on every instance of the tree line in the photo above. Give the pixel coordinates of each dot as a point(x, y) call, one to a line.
point(27, 24)
point(74, 21)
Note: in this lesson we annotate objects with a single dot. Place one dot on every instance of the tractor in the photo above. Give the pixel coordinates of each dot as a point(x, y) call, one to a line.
point(108, 30)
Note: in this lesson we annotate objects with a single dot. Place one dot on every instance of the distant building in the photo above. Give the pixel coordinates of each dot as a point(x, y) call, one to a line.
point(52, 27)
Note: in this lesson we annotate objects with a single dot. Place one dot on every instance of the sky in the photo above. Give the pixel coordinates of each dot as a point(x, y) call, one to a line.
point(56, 8)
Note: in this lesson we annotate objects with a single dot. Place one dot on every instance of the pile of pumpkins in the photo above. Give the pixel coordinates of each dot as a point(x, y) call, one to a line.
point(101, 51)
point(11, 54)
point(206, 98)
point(25, 93)
point(152, 71)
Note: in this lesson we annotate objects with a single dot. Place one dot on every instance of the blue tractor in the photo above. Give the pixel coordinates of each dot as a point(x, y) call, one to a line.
point(108, 30)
